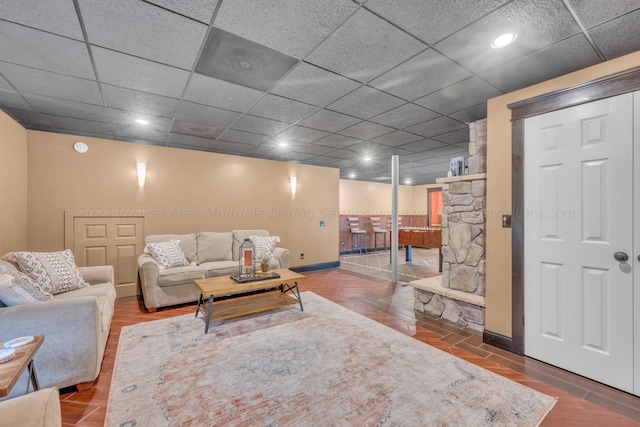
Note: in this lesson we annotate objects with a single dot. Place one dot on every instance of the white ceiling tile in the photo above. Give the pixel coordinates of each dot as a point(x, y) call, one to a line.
point(290, 27)
point(218, 93)
point(66, 108)
point(142, 29)
point(281, 109)
point(37, 49)
point(201, 10)
point(127, 71)
point(33, 81)
point(139, 102)
point(313, 85)
point(445, 17)
point(55, 16)
point(365, 102)
point(421, 75)
point(365, 47)
point(329, 121)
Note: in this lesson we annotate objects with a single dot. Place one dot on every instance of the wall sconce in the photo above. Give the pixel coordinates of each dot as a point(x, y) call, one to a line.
point(142, 173)
point(294, 184)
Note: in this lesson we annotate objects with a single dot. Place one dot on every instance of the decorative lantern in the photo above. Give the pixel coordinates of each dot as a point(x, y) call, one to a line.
point(247, 260)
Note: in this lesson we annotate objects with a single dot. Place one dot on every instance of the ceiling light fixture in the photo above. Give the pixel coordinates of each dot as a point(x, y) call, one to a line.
point(366, 159)
point(504, 40)
point(142, 122)
point(407, 182)
point(352, 175)
point(282, 144)
point(80, 147)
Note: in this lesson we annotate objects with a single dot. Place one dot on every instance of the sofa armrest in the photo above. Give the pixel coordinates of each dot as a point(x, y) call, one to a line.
point(97, 274)
point(282, 255)
point(37, 409)
point(149, 271)
point(71, 328)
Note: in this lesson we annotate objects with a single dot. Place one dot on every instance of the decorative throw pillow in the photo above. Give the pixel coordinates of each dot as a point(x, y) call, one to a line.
point(55, 272)
point(17, 288)
point(264, 245)
point(168, 254)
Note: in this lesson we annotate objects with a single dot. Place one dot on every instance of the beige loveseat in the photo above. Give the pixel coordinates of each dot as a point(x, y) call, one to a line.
point(75, 327)
point(210, 254)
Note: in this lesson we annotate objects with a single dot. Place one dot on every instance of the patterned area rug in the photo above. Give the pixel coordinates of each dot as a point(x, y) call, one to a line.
point(324, 366)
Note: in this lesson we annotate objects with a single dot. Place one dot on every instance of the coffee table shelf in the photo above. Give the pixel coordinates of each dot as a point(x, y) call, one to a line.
point(217, 287)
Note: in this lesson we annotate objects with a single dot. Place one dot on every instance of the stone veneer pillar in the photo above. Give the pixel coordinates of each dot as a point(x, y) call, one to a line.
point(458, 295)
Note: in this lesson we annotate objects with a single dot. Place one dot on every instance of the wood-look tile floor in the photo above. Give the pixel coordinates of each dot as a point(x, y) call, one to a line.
point(581, 402)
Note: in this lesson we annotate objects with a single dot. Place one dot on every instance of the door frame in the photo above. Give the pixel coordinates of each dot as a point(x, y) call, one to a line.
point(605, 87)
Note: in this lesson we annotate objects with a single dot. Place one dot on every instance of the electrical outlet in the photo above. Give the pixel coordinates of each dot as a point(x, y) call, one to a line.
point(301, 256)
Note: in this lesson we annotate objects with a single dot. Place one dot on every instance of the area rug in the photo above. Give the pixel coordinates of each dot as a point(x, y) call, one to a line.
point(326, 366)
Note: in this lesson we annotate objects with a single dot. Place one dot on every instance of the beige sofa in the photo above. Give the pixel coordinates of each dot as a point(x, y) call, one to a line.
point(38, 409)
point(75, 327)
point(210, 254)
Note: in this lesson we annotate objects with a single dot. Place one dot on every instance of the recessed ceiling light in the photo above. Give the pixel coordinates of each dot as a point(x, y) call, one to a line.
point(352, 175)
point(366, 159)
point(407, 182)
point(282, 144)
point(504, 40)
point(142, 122)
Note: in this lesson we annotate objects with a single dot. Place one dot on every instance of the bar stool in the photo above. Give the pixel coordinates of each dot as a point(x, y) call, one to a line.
point(377, 229)
point(354, 228)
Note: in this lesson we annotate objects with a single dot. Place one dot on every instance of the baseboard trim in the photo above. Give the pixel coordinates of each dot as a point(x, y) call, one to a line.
point(497, 340)
point(312, 267)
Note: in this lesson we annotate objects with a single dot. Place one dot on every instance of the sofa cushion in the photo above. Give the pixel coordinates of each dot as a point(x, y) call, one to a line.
point(55, 272)
point(220, 268)
point(214, 246)
point(17, 288)
point(168, 254)
point(180, 275)
point(187, 242)
point(240, 235)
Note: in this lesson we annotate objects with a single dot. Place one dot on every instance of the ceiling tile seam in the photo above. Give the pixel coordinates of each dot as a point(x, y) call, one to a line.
point(576, 18)
point(301, 60)
point(41, 30)
point(25, 100)
point(432, 46)
point(93, 63)
point(178, 13)
point(528, 54)
point(210, 28)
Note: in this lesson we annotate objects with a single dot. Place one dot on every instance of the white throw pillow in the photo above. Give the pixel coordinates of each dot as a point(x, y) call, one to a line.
point(168, 254)
point(264, 245)
point(17, 288)
point(55, 272)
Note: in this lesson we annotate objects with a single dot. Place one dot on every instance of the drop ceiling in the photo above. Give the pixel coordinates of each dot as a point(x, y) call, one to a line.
point(335, 80)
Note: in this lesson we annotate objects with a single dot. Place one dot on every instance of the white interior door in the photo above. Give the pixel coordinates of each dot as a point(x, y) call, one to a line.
point(579, 300)
point(115, 241)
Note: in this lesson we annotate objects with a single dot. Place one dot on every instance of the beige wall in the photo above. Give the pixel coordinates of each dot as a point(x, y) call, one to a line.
point(13, 185)
point(374, 198)
point(185, 191)
point(498, 297)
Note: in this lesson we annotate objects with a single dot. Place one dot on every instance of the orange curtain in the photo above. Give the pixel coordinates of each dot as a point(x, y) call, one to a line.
point(435, 208)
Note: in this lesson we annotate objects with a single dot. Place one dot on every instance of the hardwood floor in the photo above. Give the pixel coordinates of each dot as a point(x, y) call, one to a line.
point(581, 402)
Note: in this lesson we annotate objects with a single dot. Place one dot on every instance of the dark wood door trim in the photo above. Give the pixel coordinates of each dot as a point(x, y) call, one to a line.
point(605, 87)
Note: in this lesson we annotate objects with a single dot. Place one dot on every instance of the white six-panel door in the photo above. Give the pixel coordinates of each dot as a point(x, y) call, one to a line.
point(579, 300)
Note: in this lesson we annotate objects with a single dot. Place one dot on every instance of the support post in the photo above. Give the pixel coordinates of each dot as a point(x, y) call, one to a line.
point(395, 165)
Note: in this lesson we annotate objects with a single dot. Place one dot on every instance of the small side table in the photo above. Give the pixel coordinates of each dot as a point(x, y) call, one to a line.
point(10, 371)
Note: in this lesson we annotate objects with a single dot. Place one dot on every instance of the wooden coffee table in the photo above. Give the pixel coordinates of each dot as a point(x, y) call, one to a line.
point(10, 371)
point(224, 286)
